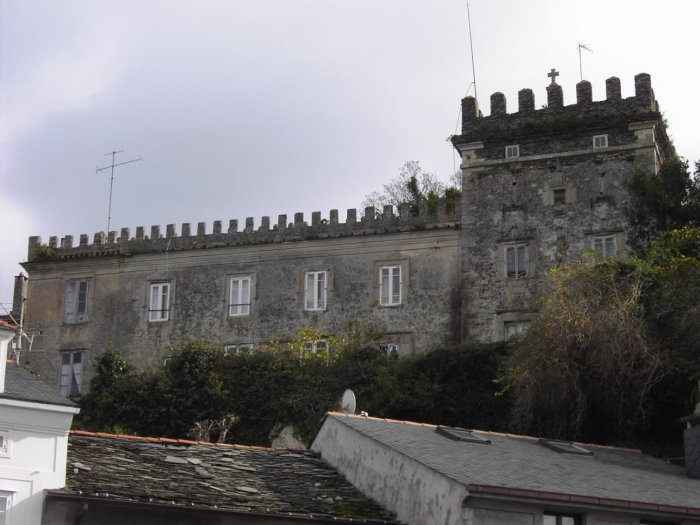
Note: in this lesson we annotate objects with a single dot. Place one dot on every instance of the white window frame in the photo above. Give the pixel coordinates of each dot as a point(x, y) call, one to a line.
point(513, 151)
point(514, 328)
point(76, 301)
point(6, 512)
point(390, 294)
point(317, 347)
point(159, 302)
point(605, 245)
point(315, 290)
point(70, 382)
point(5, 447)
point(391, 349)
point(237, 348)
point(520, 268)
point(239, 296)
point(600, 141)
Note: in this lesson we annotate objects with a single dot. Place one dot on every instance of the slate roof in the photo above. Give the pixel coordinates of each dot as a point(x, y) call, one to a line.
point(23, 386)
point(520, 466)
point(192, 474)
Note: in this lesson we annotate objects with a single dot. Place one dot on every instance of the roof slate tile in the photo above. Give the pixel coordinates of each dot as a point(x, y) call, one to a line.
point(246, 479)
point(519, 463)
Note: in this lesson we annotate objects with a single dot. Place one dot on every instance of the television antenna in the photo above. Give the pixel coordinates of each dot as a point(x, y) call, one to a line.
point(348, 401)
point(471, 49)
point(111, 181)
point(581, 46)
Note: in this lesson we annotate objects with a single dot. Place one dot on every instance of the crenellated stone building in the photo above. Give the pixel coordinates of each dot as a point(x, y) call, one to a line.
point(543, 186)
point(539, 187)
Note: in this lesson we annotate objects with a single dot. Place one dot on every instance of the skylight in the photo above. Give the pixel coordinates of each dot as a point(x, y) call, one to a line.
point(462, 434)
point(565, 447)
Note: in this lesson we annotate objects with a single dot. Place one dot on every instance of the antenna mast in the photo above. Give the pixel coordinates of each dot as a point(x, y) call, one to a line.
point(581, 46)
point(471, 48)
point(111, 181)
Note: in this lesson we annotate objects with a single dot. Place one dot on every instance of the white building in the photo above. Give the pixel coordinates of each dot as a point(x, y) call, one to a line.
point(34, 424)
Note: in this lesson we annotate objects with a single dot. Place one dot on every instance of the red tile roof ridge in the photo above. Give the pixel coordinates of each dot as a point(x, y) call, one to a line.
point(382, 419)
point(170, 441)
point(489, 432)
point(8, 326)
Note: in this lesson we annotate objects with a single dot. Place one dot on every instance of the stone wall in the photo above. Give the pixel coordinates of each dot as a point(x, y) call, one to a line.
point(118, 302)
point(553, 198)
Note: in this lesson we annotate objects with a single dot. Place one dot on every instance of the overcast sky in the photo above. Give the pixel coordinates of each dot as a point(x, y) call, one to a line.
point(262, 107)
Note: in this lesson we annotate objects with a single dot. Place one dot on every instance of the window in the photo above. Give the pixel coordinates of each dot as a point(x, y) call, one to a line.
point(239, 296)
point(462, 434)
point(317, 347)
point(69, 383)
point(390, 349)
point(559, 196)
point(4, 444)
point(513, 328)
point(512, 151)
point(159, 303)
point(600, 141)
point(560, 519)
point(565, 447)
point(76, 305)
point(5, 505)
point(315, 290)
point(390, 285)
point(516, 261)
point(238, 348)
point(605, 246)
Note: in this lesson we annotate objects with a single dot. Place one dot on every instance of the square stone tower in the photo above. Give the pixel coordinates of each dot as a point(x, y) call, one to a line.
point(545, 186)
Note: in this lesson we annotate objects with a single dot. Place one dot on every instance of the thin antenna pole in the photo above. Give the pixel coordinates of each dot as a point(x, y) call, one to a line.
point(471, 48)
point(111, 182)
point(581, 46)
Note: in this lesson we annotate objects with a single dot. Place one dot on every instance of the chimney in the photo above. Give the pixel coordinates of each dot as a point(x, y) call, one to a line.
point(7, 333)
point(18, 298)
point(691, 442)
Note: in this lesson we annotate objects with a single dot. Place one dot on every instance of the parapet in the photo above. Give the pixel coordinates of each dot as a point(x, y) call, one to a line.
point(642, 106)
point(444, 215)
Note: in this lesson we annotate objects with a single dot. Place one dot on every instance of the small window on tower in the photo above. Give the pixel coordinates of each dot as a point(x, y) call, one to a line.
point(605, 246)
point(390, 349)
point(516, 261)
point(512, 151)
point(559, 196)
point(76, 301)
point(600, 141)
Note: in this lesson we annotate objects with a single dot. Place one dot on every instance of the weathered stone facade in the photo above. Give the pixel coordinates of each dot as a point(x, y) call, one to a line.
point(198, 269)
point(543, 187)
point(539, 187)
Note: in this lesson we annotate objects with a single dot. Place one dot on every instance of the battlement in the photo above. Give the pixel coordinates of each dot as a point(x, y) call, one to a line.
point(555, 117)
point(444, 215)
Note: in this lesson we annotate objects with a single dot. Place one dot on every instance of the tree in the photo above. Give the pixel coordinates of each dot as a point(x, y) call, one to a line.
point(587, 366)
point(661, 202)
point(614, 355)
point(412, 185)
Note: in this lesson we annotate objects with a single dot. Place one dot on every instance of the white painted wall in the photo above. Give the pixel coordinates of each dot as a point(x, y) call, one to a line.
point(418, 495)
point(35, 459)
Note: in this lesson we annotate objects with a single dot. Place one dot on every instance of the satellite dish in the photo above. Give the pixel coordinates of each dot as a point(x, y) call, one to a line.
point(348, 401)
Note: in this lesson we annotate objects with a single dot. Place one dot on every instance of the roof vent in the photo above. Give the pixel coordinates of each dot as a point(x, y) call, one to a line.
point(565, 447)
point(462, 434)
